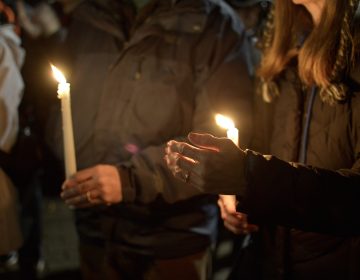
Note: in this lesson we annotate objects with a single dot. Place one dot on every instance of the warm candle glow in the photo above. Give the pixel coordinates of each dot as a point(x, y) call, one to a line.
point(224, 122)
point(59, 77)
point(231, 131)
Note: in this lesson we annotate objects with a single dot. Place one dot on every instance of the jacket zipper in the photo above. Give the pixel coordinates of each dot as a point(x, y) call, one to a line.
point(305, 131)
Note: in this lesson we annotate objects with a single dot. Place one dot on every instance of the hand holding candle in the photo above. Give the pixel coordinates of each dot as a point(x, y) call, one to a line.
point(233, 134)
point(211, 164)
point(214, 165)
point(68, 136)
point(234, 221)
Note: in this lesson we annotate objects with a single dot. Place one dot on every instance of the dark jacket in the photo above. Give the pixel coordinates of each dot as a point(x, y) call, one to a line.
point(303, 197)
point(155, 83)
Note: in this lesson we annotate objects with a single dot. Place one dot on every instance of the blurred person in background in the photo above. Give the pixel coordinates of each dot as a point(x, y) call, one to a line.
point(37, 171)
point(155, 78)
point(11, 93)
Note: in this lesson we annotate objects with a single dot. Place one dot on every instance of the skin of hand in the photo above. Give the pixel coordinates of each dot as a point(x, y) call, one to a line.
point(213, 165)
point(234, 221)
point(97, 185)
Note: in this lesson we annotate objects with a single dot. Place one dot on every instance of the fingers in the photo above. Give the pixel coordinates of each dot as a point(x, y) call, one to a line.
point(236, 223)
point(183, 168)
point(87, 199)
point(183, 149)
point(182, 158)
point(187, 164)
point(73, 196)
point(85, 175)
point(79, 177)
point(211, 143)
point(171, 161)
point(206, 141)
point(187, 161)
point(98, 185)
point(79, 189)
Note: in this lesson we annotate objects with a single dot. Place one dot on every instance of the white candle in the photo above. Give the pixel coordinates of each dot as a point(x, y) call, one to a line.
point(233, 135)
point(232, 132)
point(68, 135)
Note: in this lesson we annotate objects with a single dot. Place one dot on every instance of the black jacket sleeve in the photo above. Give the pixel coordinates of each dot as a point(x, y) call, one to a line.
point(302, 197)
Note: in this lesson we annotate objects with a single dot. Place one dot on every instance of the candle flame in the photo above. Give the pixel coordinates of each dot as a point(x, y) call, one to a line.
point(59, 77)
point(224, 122)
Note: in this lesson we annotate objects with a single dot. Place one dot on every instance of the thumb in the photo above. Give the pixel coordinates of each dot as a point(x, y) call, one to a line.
point(205, 140)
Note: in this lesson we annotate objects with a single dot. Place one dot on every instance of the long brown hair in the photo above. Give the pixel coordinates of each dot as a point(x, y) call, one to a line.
point(326, 53)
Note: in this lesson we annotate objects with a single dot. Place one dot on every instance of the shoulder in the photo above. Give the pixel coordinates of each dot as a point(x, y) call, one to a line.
point(196, 17)
point(102, 16)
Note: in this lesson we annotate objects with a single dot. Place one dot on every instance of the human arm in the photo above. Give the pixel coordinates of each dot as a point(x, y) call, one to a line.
point(300, 196)
point(273, 191)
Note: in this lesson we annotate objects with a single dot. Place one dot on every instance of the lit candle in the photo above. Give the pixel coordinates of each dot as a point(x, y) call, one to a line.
point(232, 132)
point(68, 136)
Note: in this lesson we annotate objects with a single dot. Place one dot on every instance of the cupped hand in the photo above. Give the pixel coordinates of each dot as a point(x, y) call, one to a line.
point(93, 186)
point(211, 164)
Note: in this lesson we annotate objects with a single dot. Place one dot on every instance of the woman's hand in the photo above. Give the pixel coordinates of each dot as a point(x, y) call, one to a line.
point(213, 165)
point(93, 186)
point(234, 221)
